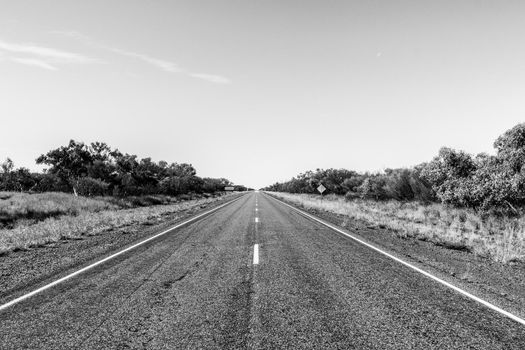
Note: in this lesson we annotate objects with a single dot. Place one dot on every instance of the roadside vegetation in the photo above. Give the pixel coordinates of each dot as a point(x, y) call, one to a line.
point(87, 189)
point(98, 170)
point(39, 219)
point(23, 208)
point(499, 238)
point(460, 201)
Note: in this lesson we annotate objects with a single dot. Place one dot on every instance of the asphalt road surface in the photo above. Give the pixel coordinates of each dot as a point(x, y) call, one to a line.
point(202, 287)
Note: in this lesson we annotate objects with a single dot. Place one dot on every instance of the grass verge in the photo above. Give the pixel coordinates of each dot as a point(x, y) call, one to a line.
point(70, 217)
point(24, 209)
point(499, 238)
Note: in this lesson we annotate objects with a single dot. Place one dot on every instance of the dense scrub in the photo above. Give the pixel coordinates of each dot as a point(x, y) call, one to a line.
point(482, 182)
point(400, 184)
point(98, 170)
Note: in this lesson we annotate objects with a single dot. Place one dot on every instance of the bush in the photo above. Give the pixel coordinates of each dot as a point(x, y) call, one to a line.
point(50, 183)
point(88, 186)
point(174, 185)
point(373, 188)
point(485, 181)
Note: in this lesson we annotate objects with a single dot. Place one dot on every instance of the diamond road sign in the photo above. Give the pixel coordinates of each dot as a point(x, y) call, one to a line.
point(321, 188)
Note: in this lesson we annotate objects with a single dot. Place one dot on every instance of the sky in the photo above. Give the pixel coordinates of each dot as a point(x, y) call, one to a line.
point(258, 91)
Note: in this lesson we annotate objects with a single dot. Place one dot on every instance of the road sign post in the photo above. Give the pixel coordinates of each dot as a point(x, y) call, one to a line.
point(321, 189)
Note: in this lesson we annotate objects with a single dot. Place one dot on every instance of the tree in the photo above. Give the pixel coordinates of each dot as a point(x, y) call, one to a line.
point(88, 186)
point(69, 162)
point(485, 181)
point(211, 185)
point(373, 188)
point(12, 179)
point(450, 175)
point(510, 148)
point(181, 170)
point(96, 169)
point(7, 166)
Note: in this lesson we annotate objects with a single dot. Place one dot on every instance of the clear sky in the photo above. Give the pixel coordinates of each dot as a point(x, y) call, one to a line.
point(258, 91)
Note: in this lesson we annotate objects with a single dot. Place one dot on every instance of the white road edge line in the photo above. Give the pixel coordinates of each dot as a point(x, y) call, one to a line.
point(84, 269)
point(437, 279)
point(256, 254)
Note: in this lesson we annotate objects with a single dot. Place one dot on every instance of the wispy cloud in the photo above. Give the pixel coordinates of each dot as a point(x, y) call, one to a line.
point(33, 62)
point(45, 52)
point(162, 64)
point(167, 66)
point(211, 78)
point(41, 56)
point(171, 67)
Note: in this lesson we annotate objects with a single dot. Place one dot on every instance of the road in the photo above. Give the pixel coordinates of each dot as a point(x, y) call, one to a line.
point(201, 287)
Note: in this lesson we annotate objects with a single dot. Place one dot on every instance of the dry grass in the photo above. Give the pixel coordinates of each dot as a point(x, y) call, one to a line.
point(79, 217)
point(22, 208)
point(500, 238)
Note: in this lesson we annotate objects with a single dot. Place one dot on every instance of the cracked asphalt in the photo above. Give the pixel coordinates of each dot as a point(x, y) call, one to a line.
point(197, 288)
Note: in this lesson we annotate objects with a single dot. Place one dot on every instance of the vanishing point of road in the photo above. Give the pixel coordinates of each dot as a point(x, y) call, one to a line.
point(253, 274)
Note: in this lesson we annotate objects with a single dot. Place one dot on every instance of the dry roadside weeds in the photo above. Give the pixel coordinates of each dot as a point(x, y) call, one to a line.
point(499, 238)
point(78, 217)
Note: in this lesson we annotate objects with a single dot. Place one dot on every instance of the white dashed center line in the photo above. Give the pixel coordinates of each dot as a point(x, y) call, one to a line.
point(256, 219)
point(255, 254)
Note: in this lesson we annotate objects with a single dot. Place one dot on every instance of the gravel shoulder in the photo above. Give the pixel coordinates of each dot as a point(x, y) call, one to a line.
point(500, 284)
point(25, 270)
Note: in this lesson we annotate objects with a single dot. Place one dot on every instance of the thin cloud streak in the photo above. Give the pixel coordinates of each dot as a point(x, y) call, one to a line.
point(45, 53)
point(171, 67)
point(211, 78)
point(41, 56)
point(167, 66)
point(33, 62)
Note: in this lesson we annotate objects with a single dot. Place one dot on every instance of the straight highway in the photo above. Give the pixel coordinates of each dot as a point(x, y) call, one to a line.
point(254, 274)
